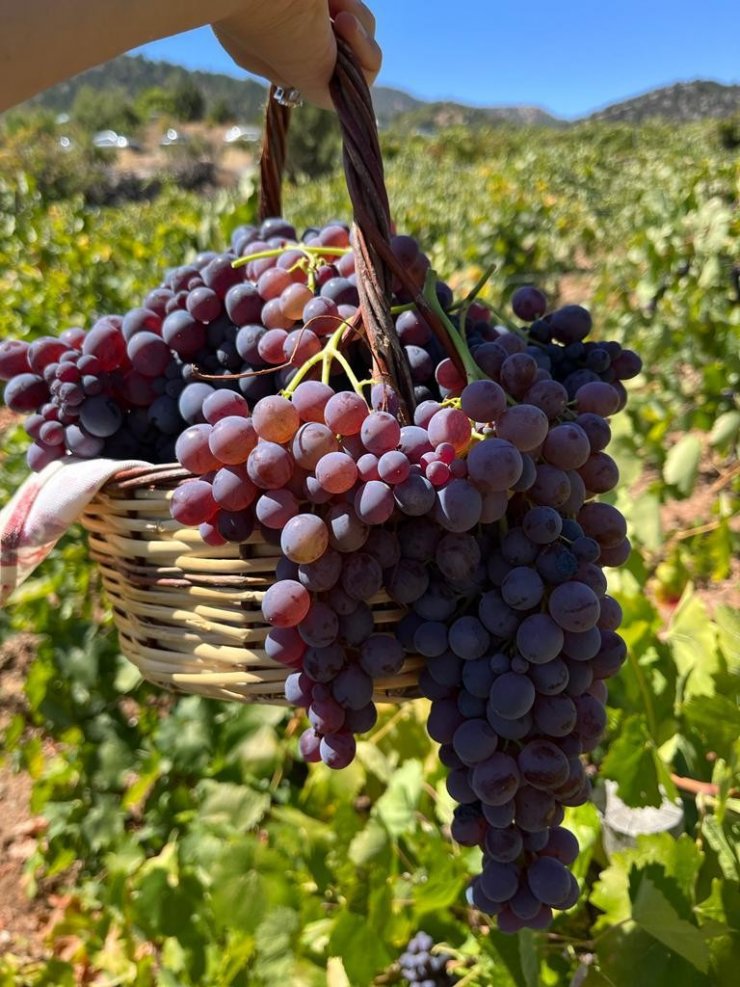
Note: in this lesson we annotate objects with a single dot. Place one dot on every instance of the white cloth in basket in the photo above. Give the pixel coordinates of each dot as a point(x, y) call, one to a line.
point(44, 508)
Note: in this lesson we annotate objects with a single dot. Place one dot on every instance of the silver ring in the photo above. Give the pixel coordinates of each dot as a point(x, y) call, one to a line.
point(288, 96)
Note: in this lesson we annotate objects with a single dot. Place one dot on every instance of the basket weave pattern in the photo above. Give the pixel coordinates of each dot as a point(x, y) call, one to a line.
point(188, 615)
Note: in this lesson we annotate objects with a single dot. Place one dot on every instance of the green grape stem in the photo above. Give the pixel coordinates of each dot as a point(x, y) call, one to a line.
point(313, 253)
point(472, 371)
point(331, 351)
point(464, 306)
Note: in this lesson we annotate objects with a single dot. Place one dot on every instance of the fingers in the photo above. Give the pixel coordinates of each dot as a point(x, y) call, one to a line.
point(288, 50)
point(292, 43)
point(363, 14)
point(247, 59)
point(365, 47)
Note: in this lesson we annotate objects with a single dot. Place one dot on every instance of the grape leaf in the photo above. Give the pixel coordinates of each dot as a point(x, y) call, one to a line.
point(719, 916)
point(529, 956)
point(592, 977)
point(363, 955)
point(396, 808)
point(682, 464)
point(652, 910)
point(441, 878)
point(327, 787)
point(103, 823)
point(114, 762)
point(681, 859)
point(728, 636)
point(583, 821)
point(260, 748)
point(672, 863)
point(722, 907)
point(238, 899)
point(727, 853)
point(235, 807)
point(444, 804)
point(643, 514)
point(128, 676)
point(628, 955)
point(725, 429)
point(507, 954)
point(163, 906)
point(715, 718)
point(610, 892)
point(634, 763)
point(369, 843)
point(374, 761)
point(693, 641)
point(274, 945)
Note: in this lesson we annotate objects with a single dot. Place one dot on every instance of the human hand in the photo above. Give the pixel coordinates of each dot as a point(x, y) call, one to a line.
point(291, 42)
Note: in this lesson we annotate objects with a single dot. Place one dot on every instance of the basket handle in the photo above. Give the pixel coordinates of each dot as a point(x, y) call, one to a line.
point(272, 158)
point(375, 262)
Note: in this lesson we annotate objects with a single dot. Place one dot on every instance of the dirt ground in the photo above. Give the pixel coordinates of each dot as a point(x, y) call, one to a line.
point(199, 141)
point(23, 920)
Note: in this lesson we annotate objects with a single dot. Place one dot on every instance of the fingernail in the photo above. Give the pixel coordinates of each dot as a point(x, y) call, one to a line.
point(359, 28)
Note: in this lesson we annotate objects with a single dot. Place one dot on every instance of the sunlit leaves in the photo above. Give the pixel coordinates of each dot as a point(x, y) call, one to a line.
point(196, 839)
point(682, 464)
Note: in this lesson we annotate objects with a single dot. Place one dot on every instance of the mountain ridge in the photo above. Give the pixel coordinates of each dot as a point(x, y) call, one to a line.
point(696, 99)
point(682, 101)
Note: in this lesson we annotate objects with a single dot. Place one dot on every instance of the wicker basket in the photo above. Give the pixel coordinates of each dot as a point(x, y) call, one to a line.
point(189, 615)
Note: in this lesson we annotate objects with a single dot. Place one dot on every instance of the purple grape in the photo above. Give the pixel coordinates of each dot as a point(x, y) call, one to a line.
point(548, 880)
point(474, 741)
point(495, 781)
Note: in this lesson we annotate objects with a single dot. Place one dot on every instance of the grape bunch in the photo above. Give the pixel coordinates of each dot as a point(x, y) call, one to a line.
point(423, 968)
point(322, 474)
point(475, 511)
point(131, 383)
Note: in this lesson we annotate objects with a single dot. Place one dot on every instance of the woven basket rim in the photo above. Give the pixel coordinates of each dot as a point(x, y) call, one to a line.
point(189, 615)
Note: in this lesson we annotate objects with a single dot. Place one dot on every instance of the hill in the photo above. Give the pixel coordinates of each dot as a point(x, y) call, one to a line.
point(682, 102)
point(134, 74)
point(245, 97)
point(435, 116)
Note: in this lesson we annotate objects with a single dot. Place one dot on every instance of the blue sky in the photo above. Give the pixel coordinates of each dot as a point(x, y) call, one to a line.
point(569, 58)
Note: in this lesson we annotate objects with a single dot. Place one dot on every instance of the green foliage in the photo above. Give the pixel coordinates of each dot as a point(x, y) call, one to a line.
point(220, 112)
point(728, 132)
point(16, 121)
point(33, 163)
point(104, 109)
point(188, 102)
point(155, 101)
point(314, 143)
point(134, 74)
point(195, 847)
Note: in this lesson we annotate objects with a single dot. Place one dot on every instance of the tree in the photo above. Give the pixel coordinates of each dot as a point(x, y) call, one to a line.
point(104, 109)
point(155, 101)
point(188, 102)
point(221, 111)
point(313, 142)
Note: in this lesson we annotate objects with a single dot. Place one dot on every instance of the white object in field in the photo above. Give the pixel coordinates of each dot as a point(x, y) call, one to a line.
point(247, 135)
point(172, 136)
point(109, 138)
point(622, 824)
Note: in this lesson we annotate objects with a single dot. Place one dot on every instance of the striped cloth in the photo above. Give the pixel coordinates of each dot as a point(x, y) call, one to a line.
point(45, 506)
